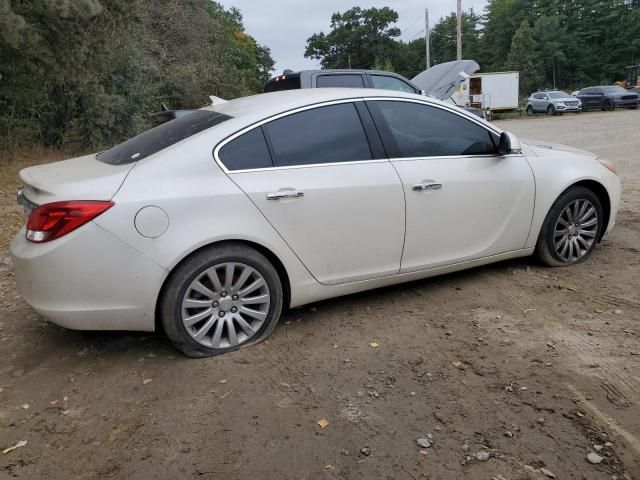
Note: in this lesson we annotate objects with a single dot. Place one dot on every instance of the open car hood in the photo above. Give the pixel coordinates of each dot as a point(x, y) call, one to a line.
point(440, 81)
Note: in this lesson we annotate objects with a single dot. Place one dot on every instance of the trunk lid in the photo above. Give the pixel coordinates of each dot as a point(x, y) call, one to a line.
point(440, 81)
point(81, 178)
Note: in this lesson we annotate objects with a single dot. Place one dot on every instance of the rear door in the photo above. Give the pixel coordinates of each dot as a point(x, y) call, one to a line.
point(322, 180)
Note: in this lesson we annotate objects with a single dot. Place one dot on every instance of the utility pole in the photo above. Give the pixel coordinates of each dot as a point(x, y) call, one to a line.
point(459, 30)
point(427, 38)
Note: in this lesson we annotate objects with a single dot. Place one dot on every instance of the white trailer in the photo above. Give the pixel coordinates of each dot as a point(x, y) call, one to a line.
point(492, 92)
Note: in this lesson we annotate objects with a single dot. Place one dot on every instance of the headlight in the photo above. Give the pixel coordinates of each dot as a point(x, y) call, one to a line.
point(608, 165)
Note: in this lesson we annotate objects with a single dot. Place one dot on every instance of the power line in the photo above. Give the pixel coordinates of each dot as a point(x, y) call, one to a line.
point(412, 23)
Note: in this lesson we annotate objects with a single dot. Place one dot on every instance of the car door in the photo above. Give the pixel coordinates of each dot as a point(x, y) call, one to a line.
point(463, 200)
point(323, 181)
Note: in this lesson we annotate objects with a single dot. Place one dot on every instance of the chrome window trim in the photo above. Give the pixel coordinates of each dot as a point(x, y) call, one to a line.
point(222, 143)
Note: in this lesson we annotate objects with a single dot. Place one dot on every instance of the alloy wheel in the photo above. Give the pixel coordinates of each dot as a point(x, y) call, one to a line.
point(225, 305)
point(575, 231)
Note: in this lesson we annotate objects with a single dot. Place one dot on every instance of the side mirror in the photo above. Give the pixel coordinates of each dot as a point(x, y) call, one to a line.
point(423, 93)
point(508, 143)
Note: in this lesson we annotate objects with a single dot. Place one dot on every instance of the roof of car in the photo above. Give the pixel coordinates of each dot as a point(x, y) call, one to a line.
point(248, 110)
point(338, 70)
point(267, 104)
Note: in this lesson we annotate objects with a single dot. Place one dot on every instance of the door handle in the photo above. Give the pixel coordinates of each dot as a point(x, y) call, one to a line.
point(284, 194)
point(427, 186)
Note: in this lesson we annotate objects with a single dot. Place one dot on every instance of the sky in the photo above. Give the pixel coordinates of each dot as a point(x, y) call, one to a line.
point(285, 25)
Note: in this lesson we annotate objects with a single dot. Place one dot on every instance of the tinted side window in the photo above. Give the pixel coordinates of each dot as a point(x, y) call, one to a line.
point(538, 96)
point(391, 83)
point(322, 135)
point(249, 150)
point(349, 80)
point(424, 131)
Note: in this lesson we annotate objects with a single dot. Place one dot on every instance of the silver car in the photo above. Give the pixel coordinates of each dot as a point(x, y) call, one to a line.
point(553, 102)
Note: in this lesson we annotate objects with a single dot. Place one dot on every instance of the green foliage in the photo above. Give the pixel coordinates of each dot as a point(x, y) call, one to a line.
point(86, 73)
point(357, 38)
point(569, 44)
point(383, 64)
point(524, 59)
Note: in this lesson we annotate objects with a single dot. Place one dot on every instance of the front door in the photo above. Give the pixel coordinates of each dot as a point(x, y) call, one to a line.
point(464, 202)
point(339, 208)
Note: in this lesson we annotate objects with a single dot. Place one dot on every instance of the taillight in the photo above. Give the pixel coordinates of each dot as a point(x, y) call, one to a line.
point(53, 220)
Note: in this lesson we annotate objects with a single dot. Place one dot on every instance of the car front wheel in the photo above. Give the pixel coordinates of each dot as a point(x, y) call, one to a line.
point(571, 229)
point(221, 299)
point(551, 110)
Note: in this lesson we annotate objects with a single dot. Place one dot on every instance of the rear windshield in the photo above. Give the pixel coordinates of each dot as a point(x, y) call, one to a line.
point(290, 82)
point(161, 137)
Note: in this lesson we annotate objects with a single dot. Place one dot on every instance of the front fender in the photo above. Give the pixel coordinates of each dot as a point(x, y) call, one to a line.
point(555, 169)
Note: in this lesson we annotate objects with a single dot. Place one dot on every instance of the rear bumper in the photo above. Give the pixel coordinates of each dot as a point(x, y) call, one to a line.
point(88, 280)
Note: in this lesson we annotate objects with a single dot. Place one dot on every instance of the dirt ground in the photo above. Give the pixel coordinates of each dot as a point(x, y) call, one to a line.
point(512, 371)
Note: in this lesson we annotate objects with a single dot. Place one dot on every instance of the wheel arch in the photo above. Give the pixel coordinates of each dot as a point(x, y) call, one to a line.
point(601, 192)
point(270, 255)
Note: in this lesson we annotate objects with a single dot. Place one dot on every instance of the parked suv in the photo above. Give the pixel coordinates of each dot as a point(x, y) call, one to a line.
point(438, 87)
point(608, 98)
point(553, 102)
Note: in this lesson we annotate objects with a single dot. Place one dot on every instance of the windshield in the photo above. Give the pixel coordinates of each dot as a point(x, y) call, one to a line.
point(559, 95)
point(613, 90)
point(161, 137)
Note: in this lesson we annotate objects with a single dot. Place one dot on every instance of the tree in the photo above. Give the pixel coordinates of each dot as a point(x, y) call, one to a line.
point(86, 73)
point(524, 58)
point(356, 39)
point(444, 38)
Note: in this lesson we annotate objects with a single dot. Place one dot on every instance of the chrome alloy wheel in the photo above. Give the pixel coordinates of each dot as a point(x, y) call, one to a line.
point(575, 230)
point(225, 305)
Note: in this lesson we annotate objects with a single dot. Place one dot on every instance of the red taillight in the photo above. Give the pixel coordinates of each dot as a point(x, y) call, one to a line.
point(53, 220)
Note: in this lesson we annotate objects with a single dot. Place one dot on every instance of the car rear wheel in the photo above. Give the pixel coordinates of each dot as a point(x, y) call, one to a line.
point(530, 111)
point(221, 299)
point(571, 229)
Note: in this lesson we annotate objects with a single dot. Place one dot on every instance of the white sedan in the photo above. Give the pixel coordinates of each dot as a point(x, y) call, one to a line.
point(210, 225)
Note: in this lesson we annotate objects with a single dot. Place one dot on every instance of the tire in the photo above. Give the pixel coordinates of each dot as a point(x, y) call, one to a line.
point(609, 106)
point(551, 110)
point(227, 309)
point(530, 111)
point(635, 107)
point(552, 253)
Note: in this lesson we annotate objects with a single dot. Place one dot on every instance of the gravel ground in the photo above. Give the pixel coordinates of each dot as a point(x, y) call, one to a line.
point(511, 371)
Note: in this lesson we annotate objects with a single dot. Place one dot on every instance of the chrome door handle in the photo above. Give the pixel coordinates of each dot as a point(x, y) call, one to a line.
point(284, 194)
point(427, 186)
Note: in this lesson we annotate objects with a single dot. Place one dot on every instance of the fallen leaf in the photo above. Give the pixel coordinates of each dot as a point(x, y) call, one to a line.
point(330, 468)
point(25, 406)
point(147, 380)
point(374, 344)
point(548, 473)
point(323, 423)
point(53, 402)
point(20, 444)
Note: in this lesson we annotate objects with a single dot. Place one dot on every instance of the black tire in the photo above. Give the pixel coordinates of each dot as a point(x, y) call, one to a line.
point(187, 271)
point(609, 106)
point(635, 107)
point(551, 110)
point(545, 250)
point(530, 111)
